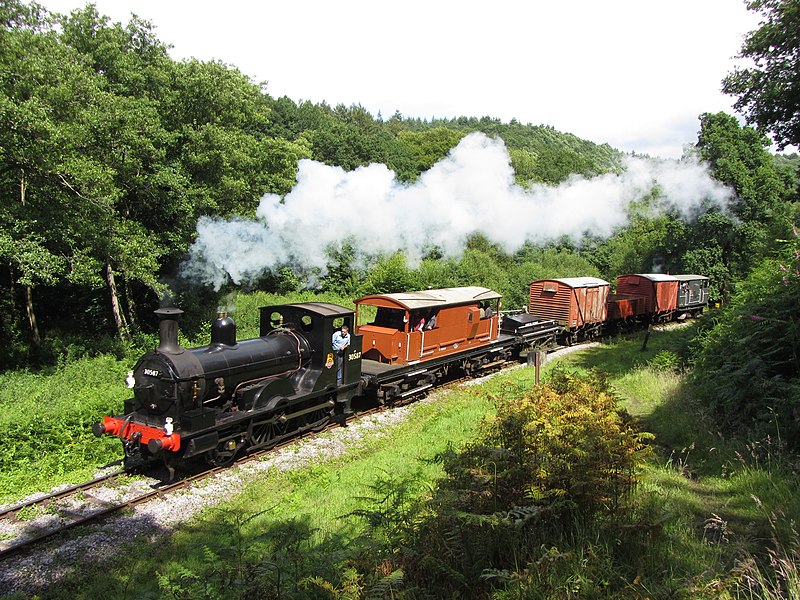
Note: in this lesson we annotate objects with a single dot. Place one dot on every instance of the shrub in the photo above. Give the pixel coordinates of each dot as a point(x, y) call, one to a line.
point(46, 421)
point(552, 461)
point(747, 368)
point(665, 360)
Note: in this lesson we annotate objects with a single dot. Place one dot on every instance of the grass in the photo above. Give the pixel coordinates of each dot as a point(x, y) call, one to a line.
point(46, 419)
point(720, 513)
point(312, 504)
point(717, 497)
point(406, 453)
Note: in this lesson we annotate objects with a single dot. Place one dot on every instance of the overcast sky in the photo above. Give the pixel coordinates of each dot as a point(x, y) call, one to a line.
point(635, 74)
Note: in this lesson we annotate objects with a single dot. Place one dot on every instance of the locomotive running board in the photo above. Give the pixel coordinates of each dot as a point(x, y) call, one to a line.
point(282, 418)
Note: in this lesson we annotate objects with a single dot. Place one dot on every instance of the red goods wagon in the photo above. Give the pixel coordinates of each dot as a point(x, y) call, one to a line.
point(578, 304)
point(411, 327)
point(622, 308)
point(655, 295)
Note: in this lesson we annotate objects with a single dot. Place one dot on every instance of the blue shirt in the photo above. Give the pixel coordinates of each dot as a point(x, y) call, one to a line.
point(340, 341)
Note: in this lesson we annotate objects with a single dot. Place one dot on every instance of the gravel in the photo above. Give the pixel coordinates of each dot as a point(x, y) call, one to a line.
point(36, 571)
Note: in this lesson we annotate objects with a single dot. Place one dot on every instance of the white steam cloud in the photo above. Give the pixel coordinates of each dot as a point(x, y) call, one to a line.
point(471, 190)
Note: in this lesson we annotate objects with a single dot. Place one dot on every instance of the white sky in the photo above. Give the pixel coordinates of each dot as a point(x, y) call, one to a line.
point(633, 73)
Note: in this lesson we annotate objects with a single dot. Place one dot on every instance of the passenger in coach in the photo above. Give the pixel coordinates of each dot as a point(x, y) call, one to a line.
point(431, 322)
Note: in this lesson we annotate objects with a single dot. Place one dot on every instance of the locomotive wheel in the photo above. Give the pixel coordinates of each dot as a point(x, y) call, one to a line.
point(319, 419)
point(268, 434)
point(220, 457)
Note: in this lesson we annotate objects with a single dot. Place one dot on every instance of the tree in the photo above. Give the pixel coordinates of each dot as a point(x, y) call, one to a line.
point(430, 145)
point(390, 275)
point(53, 191)
point(110, 151)
point(343, 275)
point(182, 140)
point(436, 272)
point(122, 137)
point(713, 250)
point(484, 263)
point(739, 158)
point(769, 92)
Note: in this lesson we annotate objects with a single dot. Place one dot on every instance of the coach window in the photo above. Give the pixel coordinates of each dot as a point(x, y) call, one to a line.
point(307, 323)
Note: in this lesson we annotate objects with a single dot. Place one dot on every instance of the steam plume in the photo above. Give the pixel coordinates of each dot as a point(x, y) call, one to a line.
point(471, 190)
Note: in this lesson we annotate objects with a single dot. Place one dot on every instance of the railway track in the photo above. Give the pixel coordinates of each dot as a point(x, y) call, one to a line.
point(77, 506)
point(43, 501)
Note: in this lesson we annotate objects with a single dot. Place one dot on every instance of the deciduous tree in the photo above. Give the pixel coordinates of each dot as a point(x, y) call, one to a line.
point(769, 91)
point(740, 158)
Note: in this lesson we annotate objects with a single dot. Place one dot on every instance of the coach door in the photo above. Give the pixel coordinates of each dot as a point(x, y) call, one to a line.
point(592, 306)
point(473, 321)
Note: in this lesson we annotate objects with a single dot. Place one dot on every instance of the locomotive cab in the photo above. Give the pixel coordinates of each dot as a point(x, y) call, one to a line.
point(318, 326)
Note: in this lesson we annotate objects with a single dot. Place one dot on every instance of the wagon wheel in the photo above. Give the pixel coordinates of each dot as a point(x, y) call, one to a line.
point(471, 369)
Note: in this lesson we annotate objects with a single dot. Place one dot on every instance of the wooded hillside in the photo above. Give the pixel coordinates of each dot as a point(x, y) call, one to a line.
point(112, 152)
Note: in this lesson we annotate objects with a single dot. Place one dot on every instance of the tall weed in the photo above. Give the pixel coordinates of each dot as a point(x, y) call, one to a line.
point(748, 363)
point(46, 421)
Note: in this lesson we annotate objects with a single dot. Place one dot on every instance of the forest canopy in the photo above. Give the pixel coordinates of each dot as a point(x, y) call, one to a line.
point(113, 154)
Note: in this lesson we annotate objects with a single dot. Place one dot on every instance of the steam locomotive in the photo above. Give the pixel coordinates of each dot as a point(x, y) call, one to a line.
point(234, 396)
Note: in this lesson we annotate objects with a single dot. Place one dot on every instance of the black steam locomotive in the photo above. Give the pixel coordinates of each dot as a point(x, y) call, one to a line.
point(231, 395)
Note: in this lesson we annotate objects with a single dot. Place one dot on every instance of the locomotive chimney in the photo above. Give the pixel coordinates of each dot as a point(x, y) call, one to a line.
point(168, 330)
point(223, 330)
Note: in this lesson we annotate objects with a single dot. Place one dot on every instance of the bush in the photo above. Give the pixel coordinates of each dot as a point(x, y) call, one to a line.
point(665, 360)
point(551, 462)
point(46, 421)
point(747, 368)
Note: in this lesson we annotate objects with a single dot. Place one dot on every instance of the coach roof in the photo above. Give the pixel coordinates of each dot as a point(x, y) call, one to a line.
point(582, 282)
point(431, 298)
point(690, 277)
point(653, 276)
